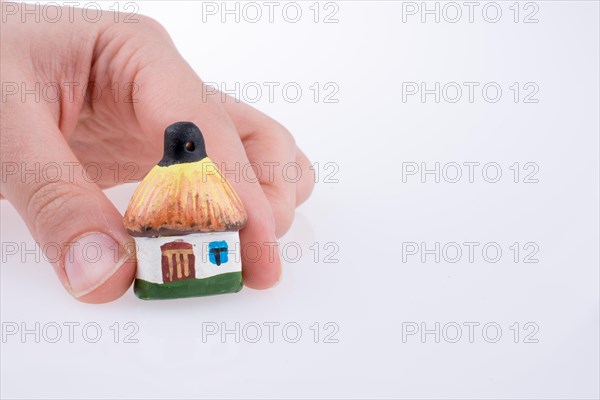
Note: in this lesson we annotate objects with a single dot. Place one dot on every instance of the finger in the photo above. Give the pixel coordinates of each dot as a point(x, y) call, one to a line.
point(273, 150)
point(73, 222)
point(284, 171)
point(176, 93)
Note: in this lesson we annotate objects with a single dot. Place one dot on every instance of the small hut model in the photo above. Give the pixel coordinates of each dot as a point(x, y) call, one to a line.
point(185, 218)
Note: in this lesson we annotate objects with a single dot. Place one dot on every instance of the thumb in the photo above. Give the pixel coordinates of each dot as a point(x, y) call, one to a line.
point(73, 222)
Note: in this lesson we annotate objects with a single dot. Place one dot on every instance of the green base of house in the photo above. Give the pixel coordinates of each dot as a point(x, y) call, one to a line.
point(230, 282)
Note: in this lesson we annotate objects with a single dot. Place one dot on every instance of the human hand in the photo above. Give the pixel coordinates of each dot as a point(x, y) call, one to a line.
point(72, 129)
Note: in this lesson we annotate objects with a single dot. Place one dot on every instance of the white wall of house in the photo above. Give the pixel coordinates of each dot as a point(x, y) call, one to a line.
point(149, 255)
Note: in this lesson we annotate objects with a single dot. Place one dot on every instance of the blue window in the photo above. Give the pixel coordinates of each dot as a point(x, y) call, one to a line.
point(217, 252)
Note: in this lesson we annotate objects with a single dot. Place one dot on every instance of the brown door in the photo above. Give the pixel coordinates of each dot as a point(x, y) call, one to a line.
point(178, 261)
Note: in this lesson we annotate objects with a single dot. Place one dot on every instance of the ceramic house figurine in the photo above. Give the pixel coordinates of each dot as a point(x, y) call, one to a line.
point(185, 218)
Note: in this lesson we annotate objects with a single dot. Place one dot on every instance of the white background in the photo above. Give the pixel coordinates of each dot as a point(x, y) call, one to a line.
point(371, 294)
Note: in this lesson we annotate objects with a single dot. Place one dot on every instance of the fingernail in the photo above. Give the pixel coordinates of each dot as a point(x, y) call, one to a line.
point(91, 260)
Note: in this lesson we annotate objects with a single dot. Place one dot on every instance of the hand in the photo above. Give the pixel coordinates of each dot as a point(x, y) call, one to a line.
point(145, 85)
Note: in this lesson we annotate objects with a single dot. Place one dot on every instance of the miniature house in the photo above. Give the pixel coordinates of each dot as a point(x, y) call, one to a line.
point(185, 218)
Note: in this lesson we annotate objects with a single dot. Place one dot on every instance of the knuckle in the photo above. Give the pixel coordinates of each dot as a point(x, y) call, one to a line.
point(278, 133)
point(153, 26)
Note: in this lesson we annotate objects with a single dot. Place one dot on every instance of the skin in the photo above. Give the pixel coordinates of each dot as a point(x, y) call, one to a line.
point(104, 131)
